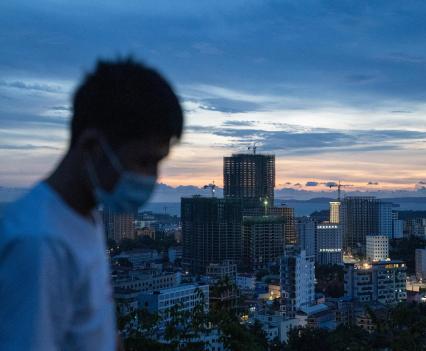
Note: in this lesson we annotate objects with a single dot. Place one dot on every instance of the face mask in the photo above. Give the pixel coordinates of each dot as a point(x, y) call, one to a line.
point(131, 191)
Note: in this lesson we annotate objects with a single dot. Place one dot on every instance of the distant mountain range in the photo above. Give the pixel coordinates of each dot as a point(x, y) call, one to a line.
point(167, 198)
point(167, 193)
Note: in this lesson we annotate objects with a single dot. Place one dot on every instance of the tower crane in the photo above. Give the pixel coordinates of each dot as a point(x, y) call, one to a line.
point(212, 187)
point(339, 186)
point(253, 147)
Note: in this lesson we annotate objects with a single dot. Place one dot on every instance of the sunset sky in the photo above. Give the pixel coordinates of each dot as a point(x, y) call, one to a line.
point(336, 89)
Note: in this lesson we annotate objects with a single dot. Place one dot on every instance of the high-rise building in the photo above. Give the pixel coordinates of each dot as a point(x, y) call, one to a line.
point(335, 212)
point(421, 263)
point(250, 177)
point(306, 235)
point(385, 219)
point(329, 243)
point(287, 214)
point(361, 216)
point(377, 247)
point(118, 226)
point(397, 226)
point(297, 280)
point(416, 227)
point(263, 241)
point(211, 231)
point(383, 281)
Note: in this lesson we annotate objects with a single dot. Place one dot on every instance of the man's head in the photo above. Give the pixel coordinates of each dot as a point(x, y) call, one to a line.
point(128, 112)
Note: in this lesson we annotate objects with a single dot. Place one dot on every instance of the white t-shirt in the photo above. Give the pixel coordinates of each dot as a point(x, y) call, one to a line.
point(55, 291)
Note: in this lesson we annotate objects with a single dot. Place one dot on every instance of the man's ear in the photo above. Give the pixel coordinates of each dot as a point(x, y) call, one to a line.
point(89, 142)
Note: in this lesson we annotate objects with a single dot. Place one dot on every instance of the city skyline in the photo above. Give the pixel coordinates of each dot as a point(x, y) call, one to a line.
point(328, 88)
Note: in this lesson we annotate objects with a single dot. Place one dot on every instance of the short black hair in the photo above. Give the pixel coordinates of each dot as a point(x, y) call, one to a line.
point(126, 100)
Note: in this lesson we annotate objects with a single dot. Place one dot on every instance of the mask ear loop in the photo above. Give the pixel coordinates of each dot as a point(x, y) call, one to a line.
point(115, 162)
point(93, 178)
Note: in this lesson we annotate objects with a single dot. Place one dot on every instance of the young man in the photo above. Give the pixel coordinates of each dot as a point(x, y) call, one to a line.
point(55, 291)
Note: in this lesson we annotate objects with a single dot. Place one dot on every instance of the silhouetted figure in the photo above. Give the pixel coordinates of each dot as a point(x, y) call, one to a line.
point(55, 290)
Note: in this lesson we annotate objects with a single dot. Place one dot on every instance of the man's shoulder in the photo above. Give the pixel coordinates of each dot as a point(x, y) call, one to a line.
point(24, 218)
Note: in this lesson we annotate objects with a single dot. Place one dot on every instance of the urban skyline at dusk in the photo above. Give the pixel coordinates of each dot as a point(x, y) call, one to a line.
point(339, 97)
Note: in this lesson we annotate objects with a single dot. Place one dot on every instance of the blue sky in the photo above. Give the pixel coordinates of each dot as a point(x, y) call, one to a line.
point(336, 89)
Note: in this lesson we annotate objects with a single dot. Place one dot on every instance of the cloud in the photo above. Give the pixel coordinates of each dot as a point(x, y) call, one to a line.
point(372, 183)
point(311, 184)
point(334, 65)
point(330, 184)
point(422, 182)
point(47, 88)
point(61, 108)
point(26, 147)
point(314, 141)
point(240, 123)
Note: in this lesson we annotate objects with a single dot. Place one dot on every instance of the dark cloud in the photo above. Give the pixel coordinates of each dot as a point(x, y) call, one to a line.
point(422, 182)
point(301, 50)
point(26, 147)
point(23, 120)
point(311, 184)
point(401, 111)
point(373, 183)
point(330, 184)
point(240, 123)
point(60, 108)
point(322, 141)
point(228, 105)
point(47, 88)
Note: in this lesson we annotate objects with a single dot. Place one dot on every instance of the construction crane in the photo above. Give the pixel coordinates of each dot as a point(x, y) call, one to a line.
point(339, 186)
point(253, 147)
point(212, 187)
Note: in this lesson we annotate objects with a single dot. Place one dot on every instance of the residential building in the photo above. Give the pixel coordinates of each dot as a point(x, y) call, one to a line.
point(263, 241)
point(385, 219)
point(138, 258)
point(146, 280)
point(186, 296)
point(174, 253)
point(416, 227)
point(377, 247)
point(335, 212)
point(287, 214)
point(246, 281)
point(306, 235)
point(398, 229)
point(221, 271)
point(250, 177)
point(297, 276)
point(421, 264)
point(118, 226)
point(383, 281)
point(329, 243)
point(361, 216)
point(211, 231)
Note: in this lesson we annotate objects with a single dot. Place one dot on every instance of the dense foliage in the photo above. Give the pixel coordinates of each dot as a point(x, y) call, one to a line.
point(330, 280)
point(403, 329)
point(183, 330)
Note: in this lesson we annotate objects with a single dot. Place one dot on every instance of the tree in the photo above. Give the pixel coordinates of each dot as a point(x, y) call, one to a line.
point(308, 339)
